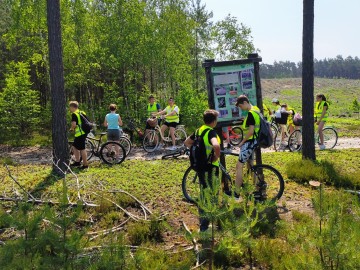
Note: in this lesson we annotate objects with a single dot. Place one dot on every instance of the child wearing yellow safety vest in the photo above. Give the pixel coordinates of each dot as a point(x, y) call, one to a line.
point(212, 146)
point(251, 127)
point(321, 112)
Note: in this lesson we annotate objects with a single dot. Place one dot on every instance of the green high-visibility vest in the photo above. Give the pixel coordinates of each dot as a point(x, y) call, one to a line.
point(207, 143)
point(245, 129)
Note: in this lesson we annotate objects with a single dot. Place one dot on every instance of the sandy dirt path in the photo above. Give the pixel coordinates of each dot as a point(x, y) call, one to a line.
point(42, 155)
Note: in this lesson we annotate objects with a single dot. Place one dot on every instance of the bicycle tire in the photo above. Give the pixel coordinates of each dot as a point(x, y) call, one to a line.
point(108, 153)
point(126, 143)
point(151, 141)
point(330, 137)
point(295, 141)
point(180, 137)
point(89, 147)
point(277, 140)
point(190, 185)
point(239, 135)
point(275, 185)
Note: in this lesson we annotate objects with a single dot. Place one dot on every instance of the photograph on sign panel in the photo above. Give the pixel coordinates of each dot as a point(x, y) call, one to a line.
point(232, 100)
point(221, 102)
point(220, 90)
point(247, 85)
point(246, 75)
point(223, 113)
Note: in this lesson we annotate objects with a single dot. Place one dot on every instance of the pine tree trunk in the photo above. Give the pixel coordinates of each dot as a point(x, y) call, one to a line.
point(308, 151)
point(58, 100)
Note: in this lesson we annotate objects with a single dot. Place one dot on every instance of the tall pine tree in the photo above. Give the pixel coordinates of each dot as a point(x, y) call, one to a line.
point(58, 100)
point(308, 151)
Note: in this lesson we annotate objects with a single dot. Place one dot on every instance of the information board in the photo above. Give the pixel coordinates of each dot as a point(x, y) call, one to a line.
point(226, 81)
point(229, 82)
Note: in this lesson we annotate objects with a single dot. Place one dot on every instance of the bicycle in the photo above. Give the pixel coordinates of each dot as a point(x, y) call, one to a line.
point(280, 131)
point(151, 139)
point(258, 178)
point(235, 133)
point(330, 139)
point(132, 127)
point(109, 152)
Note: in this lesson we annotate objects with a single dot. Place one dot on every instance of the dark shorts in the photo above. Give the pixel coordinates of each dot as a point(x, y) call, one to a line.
point(114, 134)
point(172, 124)
point(246, 151)
point(79, 142)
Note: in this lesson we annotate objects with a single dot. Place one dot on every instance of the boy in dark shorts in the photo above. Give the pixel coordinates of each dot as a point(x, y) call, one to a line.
point(80, 136)
point(250, 126)
point(212, 146)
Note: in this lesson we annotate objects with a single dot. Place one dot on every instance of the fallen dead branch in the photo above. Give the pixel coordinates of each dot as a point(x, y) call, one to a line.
point(15, 180)
point(195, 246)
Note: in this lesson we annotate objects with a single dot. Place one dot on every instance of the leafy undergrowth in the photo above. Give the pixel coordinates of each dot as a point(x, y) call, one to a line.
point(276, 244)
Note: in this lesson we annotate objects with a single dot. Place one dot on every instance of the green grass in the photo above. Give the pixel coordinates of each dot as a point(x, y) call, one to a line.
point(340, 92)
point(158, 184)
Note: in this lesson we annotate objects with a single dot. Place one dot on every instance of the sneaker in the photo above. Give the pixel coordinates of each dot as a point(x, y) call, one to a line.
point(172, 148)
point(75, 164)
point(322, 147)
point(83, 167)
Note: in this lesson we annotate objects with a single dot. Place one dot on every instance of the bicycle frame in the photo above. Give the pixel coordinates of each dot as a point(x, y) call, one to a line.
point(232, 134)
point(168, 137)
point(133, 127)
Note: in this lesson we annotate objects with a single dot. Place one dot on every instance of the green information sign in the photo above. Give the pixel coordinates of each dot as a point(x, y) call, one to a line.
point(229, 79)
point(228, 83)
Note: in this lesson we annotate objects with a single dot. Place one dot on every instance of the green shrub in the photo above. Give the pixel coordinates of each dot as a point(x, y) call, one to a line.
point(19, 104)
point(303, 171)
point(138, 233)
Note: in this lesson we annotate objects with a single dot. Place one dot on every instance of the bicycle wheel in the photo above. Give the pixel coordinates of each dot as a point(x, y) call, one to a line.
point(280, 138)
point(190, 185)
point(236, 135)
point(330, 137)
point(295, 141)
point(112, 153)
point(151, 141)
point(180, 137)
point(89, 147)
point(126, 143)
point(274, 129)
point(277, 141)
point(265, 182)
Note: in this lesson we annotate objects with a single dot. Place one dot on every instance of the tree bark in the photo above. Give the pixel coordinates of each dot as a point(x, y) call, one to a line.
point(58, 100)
point(308, 150)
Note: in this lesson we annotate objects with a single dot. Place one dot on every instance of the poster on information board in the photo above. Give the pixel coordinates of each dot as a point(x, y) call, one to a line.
point(226, 81)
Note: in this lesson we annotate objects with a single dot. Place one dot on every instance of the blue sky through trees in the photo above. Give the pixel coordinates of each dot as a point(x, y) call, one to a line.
point(277, 26)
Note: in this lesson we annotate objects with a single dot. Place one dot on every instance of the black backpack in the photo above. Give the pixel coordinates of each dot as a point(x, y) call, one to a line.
point(86, 125)
point(198, 159)
point(264, 137)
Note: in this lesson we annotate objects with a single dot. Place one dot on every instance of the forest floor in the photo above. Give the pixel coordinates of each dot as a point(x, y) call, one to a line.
point(42, 155)
point(296, 198)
